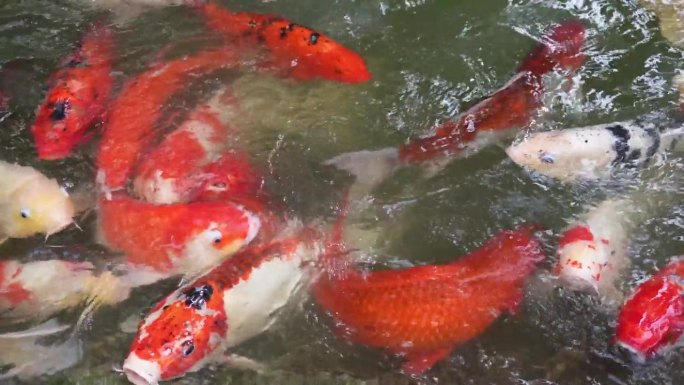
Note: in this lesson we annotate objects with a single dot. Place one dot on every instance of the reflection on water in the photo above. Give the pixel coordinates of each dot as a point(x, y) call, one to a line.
point(430, 60)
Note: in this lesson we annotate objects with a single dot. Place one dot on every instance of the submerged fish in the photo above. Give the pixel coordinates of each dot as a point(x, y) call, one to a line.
point(129, 129)
point(235, 301)
point(670, 13)
point(507, 110)
point(593, 152)
point(77, 97)
point(593, 251)
point(298, 50)
point(25, 355)
point(652, 319)
point(423, 313)
point(192, 163)
point(31, 203)
point(160, 241)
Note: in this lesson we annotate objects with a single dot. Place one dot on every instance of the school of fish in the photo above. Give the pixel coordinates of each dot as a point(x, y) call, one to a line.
point(176, 196)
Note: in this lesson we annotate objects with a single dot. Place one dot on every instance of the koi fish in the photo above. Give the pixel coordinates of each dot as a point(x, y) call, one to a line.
point(495, 118)
point(190, 164)
point(28, 289)
point(652, 319)
point(671, 17)
point(593, 152)
point(235, 301)
point(25, 356)
point(300, 51)
point(160, 241)
point(78, 96)
point(31, 203)
point(424, 312)
point(129, 128)
point(593, 251)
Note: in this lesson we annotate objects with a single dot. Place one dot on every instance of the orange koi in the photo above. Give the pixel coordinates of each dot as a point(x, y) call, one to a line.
point(506, 111)
point(424, 312)
point(652, 319)
point(300, 51)
point(78, 96)
point(172, 239)
point(129, 129)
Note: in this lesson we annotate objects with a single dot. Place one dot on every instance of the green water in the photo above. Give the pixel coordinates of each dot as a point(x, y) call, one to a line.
point(430, 60)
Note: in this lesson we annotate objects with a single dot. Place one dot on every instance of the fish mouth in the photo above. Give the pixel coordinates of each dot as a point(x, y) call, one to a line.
point(141, 372)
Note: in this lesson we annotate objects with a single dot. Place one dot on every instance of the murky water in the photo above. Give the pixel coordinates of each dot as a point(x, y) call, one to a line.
point(430, 60)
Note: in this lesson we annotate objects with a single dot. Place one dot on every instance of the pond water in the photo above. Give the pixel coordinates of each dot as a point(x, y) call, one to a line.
point(430, 60)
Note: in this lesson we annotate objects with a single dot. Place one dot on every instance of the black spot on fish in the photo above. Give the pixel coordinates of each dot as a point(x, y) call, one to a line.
point(313, 39)
point(59, 110)
point(655, 142)
point(252, 23)
point(290, 27)
point(633, 157)
point(283, 33)
point(621, 145)
point(198, 296)
point(188, 348)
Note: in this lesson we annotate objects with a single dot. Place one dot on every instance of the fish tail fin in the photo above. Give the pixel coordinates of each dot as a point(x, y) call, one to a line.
point(559, 47)
point(369, 167)
point(334, 255)
point(104, 289)
point(28, 357)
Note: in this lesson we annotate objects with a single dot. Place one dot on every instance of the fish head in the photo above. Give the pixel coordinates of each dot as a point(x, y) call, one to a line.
point(577, 251)
point(565, 155)
point(60, 124)
point(39, 206)
point(179, 335)
point(651, 319)
point(213, 231)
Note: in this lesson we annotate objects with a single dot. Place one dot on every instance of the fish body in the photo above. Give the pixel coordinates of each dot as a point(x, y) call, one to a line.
point(652, 320)
point(492, 119)
point(298, 50)
point(593, 152)
point(77, 98)
point(194, 163)
point(41, 288)
point(593, 250)
point(233, 302)
point(31, 203)
point(424, 312)
point(129, 129)
point(175, 239)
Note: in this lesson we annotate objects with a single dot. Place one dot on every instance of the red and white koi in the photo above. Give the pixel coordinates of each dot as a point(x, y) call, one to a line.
point(235, 301)
point(192, 164)
point(499, 116)
point(31, 203)
point(593, 251)
point(129, 129)
point(160, 241)
point(78, 96)
point(652, 320)
point(593, 152)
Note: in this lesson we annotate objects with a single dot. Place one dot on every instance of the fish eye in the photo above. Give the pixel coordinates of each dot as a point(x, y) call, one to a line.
point(25, 213)
point(216, 236)
point(188, 348)
point(546, 158)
